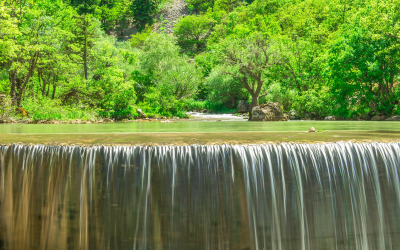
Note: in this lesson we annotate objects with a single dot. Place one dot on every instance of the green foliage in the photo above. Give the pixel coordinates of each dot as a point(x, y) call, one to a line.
point(143, 11)
point(364, 62)
point(47, 109)
point(318, 57)
point(224, 89)
point(139, 39)
point(314, 104)
point(165, 77)
point(200, 5)
point(285, 96)
point(192, 32)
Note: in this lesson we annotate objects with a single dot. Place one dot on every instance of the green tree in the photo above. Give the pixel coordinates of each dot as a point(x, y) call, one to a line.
point(364, 62)
point(224, 88)
point(192, 32)
point(248, 61)
point(143, 12)
point(84, 32)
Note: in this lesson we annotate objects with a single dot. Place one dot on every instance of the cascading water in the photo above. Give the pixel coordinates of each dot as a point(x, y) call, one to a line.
point(280, 197)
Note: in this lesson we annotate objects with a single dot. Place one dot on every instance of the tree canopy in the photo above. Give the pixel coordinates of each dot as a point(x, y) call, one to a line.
point(318, 57)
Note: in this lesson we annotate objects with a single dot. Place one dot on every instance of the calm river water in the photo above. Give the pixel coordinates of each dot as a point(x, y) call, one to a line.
point(194, 126)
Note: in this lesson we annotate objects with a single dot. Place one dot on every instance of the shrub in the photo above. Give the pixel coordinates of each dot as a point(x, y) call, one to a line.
point(314, 104)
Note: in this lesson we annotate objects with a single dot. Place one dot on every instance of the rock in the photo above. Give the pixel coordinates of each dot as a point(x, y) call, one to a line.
point(268, 112)
point(393, 118)
point(108, 120)
point(293, 115)
point(243, 107)
point(312, 129)
point(166, 121)
point(141, 113)
point(330, 118)
point(204, 111)
point(378, 118)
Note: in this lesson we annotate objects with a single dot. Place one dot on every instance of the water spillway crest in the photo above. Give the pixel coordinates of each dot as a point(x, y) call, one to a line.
point(272, 196)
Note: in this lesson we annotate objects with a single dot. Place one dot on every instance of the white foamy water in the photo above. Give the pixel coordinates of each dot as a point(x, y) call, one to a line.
point(214, 117)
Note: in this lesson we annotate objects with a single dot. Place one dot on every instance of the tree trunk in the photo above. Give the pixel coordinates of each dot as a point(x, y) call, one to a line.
point(54, 91)
point(12, 92)
point(254, 103)
point(85, 60)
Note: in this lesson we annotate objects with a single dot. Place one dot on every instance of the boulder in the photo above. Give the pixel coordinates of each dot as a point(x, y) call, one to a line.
point(293, 115)
point(393, 118)
point(268, 112)
point(243, 107)
point(312, 129)
point(330, 118)
point(378, 118)
point(108, 120)
point(166, 121)
point(141, 113)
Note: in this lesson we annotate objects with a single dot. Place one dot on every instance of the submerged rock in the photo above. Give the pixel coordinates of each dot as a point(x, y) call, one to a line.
point(393, 118)
point(378, 118)
point(243, 107)
point(268, 112)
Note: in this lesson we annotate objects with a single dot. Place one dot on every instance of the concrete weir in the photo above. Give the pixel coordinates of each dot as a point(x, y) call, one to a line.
point(332, 195)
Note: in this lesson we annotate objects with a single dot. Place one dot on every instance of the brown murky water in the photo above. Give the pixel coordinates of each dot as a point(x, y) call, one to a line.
point(287, 196)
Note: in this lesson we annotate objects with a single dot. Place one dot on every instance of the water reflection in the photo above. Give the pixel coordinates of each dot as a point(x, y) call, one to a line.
point(330, 196)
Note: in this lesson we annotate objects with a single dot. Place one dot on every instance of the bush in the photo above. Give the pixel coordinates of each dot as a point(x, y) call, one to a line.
point(285, 97)
point(5, 108)
point(47, 109)
point(192, 32)
point(224, 89)
point(314, 104)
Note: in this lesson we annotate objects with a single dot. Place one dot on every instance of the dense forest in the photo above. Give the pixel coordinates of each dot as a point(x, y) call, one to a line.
point(71, 60)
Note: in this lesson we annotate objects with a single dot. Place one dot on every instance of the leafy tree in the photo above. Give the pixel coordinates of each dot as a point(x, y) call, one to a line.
point(8, 30)
point(299, 64)
point(138, 40)
point(84, 33)
point(158, 47)
point(111, 64)
point(192, 32)
point(248, 61)
point(314, 104)
point(200, 5)
point(224, 88)
point(364, 62)
point(143, 11)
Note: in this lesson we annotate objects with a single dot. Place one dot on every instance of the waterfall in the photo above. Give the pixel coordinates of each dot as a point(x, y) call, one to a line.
point(270, 196)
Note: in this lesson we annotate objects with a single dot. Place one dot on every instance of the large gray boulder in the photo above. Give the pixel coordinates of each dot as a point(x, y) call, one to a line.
point(268, 112)
point(393, 118)
point(378, 118)
point(243, 107)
